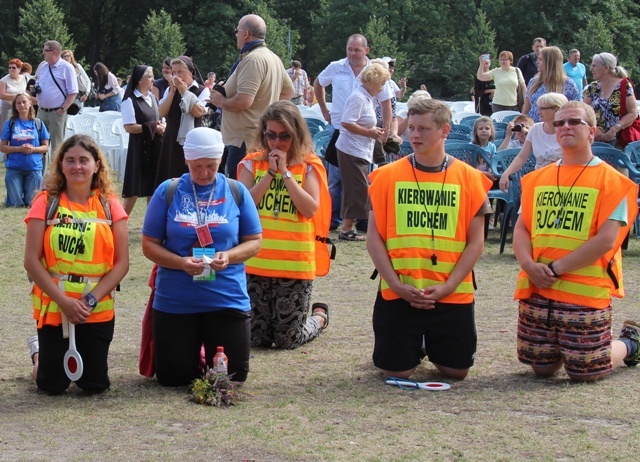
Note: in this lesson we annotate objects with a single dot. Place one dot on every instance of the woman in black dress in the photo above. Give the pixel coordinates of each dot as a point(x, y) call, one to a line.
point(142, 121)
point(183, 104)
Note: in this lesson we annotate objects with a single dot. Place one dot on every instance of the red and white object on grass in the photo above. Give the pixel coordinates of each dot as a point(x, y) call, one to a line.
point(73, 365)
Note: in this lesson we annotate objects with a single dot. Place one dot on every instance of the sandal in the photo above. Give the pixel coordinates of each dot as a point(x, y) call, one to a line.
point(350, 235)
point(325, 315)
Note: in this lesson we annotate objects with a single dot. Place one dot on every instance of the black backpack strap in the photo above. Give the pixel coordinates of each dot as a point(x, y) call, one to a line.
point(235, 191)
point(171, 190)
point(52, 208)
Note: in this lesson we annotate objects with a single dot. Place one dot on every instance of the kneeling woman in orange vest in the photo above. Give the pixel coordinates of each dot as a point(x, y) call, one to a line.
point(288, 184)
point(77, 251)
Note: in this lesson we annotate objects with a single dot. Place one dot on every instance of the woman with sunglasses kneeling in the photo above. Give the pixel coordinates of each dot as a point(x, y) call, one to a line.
point(288, 184)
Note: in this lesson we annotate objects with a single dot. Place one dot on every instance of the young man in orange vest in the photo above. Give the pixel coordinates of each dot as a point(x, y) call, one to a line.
point(426, 232)
point(574, 216)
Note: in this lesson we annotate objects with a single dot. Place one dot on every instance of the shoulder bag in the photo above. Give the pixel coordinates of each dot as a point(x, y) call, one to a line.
point(519, 92)
point(632, 132)
point(76, 105)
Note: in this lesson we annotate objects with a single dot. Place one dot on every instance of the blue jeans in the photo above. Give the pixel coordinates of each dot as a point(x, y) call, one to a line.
point(22, 186)
point(235, 155)
point(335, 190)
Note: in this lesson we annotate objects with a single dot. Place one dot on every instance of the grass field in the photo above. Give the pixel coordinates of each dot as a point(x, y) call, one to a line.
point(323, 401)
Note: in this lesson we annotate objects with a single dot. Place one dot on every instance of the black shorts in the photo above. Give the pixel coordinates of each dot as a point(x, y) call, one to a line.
point(448, 330)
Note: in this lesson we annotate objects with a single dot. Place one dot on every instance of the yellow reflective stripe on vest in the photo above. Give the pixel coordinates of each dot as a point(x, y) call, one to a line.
point(583, 290)
point(394, 243)
point(443, 267)
point(556, 242)
point(279, 244)
point(283, 265)
point(463, 288)
point(288, 226)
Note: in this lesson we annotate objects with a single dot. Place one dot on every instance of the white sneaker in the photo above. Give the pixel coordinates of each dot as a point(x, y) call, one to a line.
point(34, 345)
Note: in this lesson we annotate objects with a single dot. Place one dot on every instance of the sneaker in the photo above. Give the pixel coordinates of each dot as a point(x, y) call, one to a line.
point(631, 330)
point(34, 345)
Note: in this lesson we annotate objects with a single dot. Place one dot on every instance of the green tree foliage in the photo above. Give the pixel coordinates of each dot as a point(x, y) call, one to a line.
point(40, 20)
point(159, 38)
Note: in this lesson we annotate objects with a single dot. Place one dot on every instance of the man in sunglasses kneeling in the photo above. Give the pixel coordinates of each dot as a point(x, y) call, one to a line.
point(574, 216)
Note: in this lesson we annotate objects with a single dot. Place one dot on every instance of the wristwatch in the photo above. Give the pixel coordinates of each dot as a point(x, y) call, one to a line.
point(287, 174)
point(618, 126)
point(92, 301)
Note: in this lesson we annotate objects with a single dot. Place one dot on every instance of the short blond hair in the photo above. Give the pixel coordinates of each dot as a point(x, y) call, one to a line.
point(441, 112)
point(555, 100)
point(374, 73)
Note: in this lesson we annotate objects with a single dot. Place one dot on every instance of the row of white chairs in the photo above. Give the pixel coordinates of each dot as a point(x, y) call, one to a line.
point(108, 131)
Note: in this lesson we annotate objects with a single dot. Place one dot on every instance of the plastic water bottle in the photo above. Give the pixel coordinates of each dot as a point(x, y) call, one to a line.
point(220, 361)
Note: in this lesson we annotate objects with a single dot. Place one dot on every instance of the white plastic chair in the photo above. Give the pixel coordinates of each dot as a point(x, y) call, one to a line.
point(500, 115)
point(462, 106)
point(121, 154)
point(81, 124)
point(107, 139)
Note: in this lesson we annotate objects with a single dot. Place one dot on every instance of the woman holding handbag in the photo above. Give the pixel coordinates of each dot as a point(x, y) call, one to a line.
point(508, 80)
point(612, 99)
point(108, 89)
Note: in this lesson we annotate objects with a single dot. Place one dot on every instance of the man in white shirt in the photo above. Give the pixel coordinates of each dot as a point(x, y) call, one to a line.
point(58, 84)
point(343, 75)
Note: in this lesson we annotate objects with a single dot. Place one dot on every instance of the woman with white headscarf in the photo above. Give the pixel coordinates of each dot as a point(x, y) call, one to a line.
point(199, 229)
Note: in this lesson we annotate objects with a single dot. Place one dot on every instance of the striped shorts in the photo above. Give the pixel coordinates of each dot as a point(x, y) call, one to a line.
point(550, 331)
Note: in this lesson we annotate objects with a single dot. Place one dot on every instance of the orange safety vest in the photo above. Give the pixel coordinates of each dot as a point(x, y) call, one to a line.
point(556, 231)
point(293, 246)
point(405, 226)
point(62, 257)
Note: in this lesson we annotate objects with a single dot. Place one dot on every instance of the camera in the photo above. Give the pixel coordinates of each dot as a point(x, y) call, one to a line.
point(518, 127)
point(36, 90)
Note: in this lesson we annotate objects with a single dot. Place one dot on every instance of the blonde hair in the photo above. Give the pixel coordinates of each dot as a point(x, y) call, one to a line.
point(289, 116)
point(479, 120)
point(55, 182)
point(555, 100)
point(554, 76)
point(374, 73)
point(441, 112)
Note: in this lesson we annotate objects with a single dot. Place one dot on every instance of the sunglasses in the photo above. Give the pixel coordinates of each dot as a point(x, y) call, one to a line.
point(572, 122)
point(272, 136)
point(12, 67)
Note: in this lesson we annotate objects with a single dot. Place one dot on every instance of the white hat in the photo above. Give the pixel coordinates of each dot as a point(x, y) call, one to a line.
point(203, 142)
point(388, 60)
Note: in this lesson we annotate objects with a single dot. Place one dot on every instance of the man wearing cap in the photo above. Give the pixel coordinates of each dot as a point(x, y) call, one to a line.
point(343, 75)
point(200, 236)
point(300, 82)
point(257, 79)
point(58, 84)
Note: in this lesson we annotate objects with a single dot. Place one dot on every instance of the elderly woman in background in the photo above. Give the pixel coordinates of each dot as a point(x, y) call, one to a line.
point(84, 83)
point(605, 94)
point(541, 139)
point(24, 141)
point(551, 77)
point(355, 148)
point(76, 262)
point(183, 104)
point(141, 120)
point(200, 229)
point(10, 85)
point(507, 80)
point(288, 184)
point(108, 90)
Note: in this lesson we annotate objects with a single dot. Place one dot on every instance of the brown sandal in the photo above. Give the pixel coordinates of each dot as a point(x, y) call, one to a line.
point(325, 315)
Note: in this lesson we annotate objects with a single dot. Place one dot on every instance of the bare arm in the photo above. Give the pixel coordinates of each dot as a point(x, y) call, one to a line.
point(321, 97)
point(8, 97)
point(539, 273)
point(165, 105)
point(481, 74)
point(516, 165)
point(307, 198)
point(526, 107)
point(25, 148)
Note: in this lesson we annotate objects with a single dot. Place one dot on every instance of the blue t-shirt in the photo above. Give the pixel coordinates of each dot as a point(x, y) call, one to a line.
point(176, 292)
point(577, 73)
point(24, 132)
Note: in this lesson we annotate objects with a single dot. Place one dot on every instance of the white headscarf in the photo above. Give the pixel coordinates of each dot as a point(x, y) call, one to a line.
point(203, 142)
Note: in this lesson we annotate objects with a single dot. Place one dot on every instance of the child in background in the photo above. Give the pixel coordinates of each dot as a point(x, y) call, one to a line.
point(515, 138)
point(483, 134)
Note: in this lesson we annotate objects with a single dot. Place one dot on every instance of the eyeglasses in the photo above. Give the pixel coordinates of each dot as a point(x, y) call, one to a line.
point(13, 67)
point(240, 30)
point(573, 122)
point(272, 136)
point(46, 51)
point(540, 108)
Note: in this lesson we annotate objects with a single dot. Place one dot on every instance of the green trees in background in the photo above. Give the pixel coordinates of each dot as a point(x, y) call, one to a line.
point(436, 42)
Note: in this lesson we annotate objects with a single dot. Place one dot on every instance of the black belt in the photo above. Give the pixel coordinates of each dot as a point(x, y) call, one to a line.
point(50, 109)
